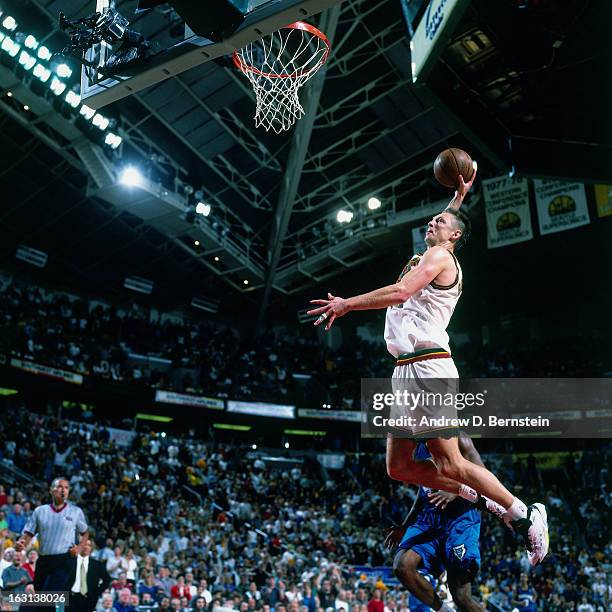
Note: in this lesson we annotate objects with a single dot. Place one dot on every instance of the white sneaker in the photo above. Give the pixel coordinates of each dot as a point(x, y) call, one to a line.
point(535, 531)
point(537, 535)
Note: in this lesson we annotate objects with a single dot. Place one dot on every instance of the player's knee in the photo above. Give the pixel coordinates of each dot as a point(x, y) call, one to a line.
point(462, 598)
point(405, 569)
point(396, 469)
point(451, 467)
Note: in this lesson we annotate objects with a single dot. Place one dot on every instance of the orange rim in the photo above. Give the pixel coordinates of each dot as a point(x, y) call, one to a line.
point(298, 25)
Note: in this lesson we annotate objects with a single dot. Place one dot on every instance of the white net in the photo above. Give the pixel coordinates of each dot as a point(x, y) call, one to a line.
point(277, 66)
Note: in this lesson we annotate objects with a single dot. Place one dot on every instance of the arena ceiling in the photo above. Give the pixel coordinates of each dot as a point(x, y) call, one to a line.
point(372, 134)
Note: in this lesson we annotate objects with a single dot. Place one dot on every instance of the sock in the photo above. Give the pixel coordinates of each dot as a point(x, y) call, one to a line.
point(494, 508)
point(468, 493)
point(517, 510)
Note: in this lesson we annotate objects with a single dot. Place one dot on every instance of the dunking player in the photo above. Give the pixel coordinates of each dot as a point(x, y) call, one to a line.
point(419, 307)
point(440, 533)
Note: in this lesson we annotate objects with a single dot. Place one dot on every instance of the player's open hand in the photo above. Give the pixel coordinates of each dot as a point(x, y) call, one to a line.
point(394, 537)
point(465, 187)
point(441, 499)
point(74, 550)
point(329, 310)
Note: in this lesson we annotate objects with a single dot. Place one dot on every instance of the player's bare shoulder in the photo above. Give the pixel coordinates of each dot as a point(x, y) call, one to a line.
point(445, 261)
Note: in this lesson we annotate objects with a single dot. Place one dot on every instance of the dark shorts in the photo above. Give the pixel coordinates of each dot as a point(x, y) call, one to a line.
point(445, 545)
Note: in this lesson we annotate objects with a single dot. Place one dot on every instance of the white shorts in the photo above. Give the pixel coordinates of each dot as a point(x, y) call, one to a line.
point(434, 381)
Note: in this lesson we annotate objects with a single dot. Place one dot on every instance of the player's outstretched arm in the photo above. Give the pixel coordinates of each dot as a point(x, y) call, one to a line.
point(432, 263)
point(462, 191)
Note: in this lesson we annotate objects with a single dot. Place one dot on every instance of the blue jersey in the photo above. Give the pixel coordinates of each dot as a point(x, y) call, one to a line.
point(444, 539)
point(525, 596)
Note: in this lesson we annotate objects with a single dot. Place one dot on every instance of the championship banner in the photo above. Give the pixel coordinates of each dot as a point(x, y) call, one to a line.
point(561, 206)
point(48, 371)
point(351, 416)
point(278, 411)
point(507, 210)
point(603, 197)
point(183, 399)
point(418, 239)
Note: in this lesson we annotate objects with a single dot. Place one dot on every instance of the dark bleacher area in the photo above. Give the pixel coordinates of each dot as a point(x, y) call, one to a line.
point(246, 530)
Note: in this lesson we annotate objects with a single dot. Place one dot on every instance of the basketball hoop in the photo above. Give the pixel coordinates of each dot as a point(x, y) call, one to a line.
point(277, 66)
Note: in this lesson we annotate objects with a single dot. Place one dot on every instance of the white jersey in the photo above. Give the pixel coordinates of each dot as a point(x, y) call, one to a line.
point(421, 321)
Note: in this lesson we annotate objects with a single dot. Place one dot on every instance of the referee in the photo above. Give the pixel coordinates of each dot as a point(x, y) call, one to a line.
point(56, 525)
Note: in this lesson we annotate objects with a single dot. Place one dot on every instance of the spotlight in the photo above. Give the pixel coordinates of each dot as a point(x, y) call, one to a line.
point(374, 203)
point(216, 258)
point(30, 42)
point(87, 112)
point(112, 140)
point(9, 23)
point(203, 209)
point(9, 94)
point(344, 216)
point(163, 434)
point(130, 177)
point(73, 99)
point(26, 60)
point(26, 107)
point(245, 281)
point(64, 71)
point(196, 242)
point(100, 121)
point(10, 46)
point(57, 87)
point(254, 446)
point(286, 444)
point(44, 54)
point(44, 74)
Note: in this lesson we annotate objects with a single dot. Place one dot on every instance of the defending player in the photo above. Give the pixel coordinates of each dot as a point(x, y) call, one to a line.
point(440, 533)
point(419, 308)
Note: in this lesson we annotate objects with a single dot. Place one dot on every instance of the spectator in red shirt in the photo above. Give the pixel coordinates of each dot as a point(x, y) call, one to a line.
point(122, 583)
point(180, 589)
point(30, 566)
point(376, 603)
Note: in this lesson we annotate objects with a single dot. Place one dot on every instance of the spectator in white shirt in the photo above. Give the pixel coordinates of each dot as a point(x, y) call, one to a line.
point(116, 563)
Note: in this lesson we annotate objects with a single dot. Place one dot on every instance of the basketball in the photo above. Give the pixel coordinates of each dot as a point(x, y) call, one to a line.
point(450, 164)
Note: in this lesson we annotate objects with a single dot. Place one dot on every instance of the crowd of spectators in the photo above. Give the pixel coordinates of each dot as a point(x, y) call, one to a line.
point(184, 525)
point(212, 359)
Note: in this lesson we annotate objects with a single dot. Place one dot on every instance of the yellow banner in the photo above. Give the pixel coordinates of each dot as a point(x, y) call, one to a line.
point(603, 197)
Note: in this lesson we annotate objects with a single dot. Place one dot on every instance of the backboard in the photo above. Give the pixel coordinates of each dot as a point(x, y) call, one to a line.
point(261, 18)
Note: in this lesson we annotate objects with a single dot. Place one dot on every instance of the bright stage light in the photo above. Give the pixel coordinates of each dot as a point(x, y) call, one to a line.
point(73, 99)
point(44, 54)
point(374, 203)
point(30, 42)
point(130, 177)
point(87, 112)
point(26, 60)
point(57, 87)
point(44, 74)
point(100, 121)
point(64, 71)
point(9, 23)
point(203, 209)
point(112, 140)
point(344, 216)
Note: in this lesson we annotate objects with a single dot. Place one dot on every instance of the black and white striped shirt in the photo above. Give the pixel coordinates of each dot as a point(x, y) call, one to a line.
point(56, 529)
